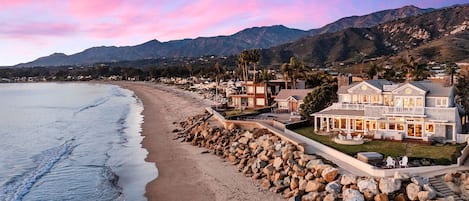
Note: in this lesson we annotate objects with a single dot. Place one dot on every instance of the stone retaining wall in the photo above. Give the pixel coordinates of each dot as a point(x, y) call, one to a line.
point(281, 167)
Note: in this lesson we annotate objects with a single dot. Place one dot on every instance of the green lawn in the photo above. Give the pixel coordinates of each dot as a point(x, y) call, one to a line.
point(443, 154)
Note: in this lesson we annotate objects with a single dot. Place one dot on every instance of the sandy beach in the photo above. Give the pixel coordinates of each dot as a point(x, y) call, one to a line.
point(184, 173)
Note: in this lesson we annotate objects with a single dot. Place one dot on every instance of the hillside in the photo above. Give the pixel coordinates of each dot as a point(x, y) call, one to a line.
point(256, 37)
point(440, 34)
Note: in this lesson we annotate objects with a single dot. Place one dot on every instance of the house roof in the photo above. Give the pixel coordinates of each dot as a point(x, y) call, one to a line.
point(343, 89)
point(433, 89)
point(379, 83)
point(298, 94)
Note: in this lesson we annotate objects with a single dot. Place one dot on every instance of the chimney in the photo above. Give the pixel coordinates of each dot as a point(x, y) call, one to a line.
point(344, 80)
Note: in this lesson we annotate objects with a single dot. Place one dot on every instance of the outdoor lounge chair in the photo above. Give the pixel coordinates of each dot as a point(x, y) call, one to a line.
point(340, 136)
point(358, 138)
point(390, 163)
point(403, 162)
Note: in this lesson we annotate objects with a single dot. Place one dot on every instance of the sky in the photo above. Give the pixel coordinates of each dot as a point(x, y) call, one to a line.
point(30, 29)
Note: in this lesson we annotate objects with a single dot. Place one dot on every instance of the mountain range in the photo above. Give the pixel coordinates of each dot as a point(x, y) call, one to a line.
point(440, 35)
point(315, 45)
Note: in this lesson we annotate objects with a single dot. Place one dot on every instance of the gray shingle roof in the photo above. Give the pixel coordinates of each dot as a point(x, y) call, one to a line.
point(298, 94)
point(433, 89)
point(379, 83)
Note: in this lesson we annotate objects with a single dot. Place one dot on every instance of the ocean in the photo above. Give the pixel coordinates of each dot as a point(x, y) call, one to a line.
point(71, 141)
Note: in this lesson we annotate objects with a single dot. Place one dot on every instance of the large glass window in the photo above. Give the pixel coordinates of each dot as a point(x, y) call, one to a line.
point(418, 130)
point(419, 102)
point(359, 124)
point(343, 123)
point(429, 128)
point(387, 100)
point(364, 99)
point(392, 126)
point(355, 98)
point(336, 122)
point(260, 90)
point(382, 125)
point(411, 102)
point(400, 126)
point(260, 101)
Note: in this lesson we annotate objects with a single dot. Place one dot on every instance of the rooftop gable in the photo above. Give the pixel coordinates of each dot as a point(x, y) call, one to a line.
point(298, 94)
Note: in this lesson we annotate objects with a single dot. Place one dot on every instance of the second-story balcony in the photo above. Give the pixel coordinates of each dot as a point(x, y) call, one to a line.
point(406, 111)
point(377, 110)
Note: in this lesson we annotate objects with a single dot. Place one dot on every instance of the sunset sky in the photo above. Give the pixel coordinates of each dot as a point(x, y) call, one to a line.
point(36, 28)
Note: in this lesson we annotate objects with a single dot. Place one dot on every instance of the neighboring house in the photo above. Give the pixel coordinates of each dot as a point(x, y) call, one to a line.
point(289, 100)
point(254, 96)
point(416, 110)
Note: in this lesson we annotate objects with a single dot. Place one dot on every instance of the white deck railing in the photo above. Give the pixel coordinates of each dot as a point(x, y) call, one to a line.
point(402, 110)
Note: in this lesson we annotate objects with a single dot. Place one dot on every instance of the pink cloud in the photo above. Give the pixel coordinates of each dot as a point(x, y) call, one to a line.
point(37, 29)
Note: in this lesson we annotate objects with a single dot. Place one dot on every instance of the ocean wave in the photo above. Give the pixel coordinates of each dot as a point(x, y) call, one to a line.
point(93, 104)
point(18, 187)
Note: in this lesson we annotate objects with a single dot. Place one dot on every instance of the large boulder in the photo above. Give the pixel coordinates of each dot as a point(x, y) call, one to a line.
point(412, 190)
point(310, 165)
point(278, 163)
point(263, 156)
point(265, 184)
point(389, 185)
point(243, 140)
point(294, 183)
point(312, 196)
point(348, 179)
point(268, 170)
point(329, 174)
point(419, 180)
point(333, 187)
point(368, 185)
point(302, 184)
point(330, 197)
point(448, 177)
point(431, 191)
point(314, 186)
point(381, 197)
point(352, 195)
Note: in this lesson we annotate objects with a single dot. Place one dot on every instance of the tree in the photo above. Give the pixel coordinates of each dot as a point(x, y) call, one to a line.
point(320, 98)
point(451, 69)
point(292, 71)
point(287, 73)
point(372, 70)
point(254, 57)
point(243, 60)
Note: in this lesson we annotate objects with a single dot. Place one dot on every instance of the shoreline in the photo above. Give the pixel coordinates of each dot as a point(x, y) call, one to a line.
point(184, 173)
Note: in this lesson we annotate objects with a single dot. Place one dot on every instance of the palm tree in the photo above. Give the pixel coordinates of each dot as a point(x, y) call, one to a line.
point(293, 70)
point(287, 73)
point(451, 69)
point(254, 57)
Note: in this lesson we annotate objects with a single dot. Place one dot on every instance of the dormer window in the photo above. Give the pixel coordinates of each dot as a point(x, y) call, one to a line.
point(441, 102)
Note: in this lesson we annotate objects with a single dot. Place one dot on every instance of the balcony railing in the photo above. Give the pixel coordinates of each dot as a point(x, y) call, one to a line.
point(379, 108)
point(347, 106)
point(402, 110)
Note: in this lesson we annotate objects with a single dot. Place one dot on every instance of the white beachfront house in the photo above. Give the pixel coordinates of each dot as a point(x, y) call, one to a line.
point(386, 110)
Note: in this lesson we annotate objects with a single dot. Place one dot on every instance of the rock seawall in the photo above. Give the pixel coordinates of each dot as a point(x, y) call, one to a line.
point(280, 167)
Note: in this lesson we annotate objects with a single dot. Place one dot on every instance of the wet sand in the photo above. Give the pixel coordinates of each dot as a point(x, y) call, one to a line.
point(184, 173)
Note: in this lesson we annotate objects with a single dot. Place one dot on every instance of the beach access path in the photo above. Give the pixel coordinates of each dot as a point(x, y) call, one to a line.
point(184, 173)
